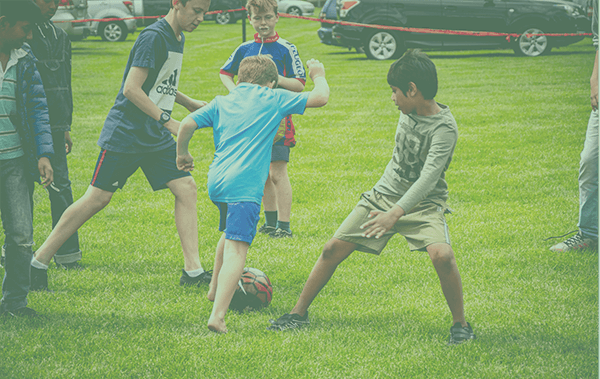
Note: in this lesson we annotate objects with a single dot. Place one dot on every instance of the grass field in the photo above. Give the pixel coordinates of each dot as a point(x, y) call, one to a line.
point(513, 182)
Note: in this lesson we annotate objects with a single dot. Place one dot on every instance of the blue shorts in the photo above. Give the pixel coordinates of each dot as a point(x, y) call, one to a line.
point(239, 220)
point(113, 169)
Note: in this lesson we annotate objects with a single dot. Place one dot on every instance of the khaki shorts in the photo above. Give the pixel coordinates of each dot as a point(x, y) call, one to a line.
point(422, 226)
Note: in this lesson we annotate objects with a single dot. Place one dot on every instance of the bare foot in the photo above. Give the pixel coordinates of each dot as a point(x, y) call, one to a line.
point(217, 326)
point(212, 291)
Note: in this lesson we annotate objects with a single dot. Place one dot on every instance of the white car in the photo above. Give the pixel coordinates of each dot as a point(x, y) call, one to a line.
point(72, 10)
point(116, 30)
point(295, 7)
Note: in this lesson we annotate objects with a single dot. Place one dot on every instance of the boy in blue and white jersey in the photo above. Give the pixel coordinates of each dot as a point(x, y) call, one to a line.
point(244, 124)
point(137, 134)
point(292, 76)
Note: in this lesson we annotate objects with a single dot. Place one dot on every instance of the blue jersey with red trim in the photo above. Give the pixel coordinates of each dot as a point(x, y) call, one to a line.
point(288, 62)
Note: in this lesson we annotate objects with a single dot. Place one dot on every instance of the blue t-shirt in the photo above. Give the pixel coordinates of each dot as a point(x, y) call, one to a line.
point(129, 130)
point(244, 124)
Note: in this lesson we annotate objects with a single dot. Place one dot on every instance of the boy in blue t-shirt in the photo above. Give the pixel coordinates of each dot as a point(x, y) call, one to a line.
point(277, 199)
point(244, 124)
point(137, 134)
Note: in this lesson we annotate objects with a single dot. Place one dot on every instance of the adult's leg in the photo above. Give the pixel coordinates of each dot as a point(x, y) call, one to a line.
point(443, 260)
point(92, 202)
point(334, 252)
point(234, 258)
point(214, 281)
point(186, 219)
point(278, 175)
point(588, 181)
point(61, 197)
point(15, 210)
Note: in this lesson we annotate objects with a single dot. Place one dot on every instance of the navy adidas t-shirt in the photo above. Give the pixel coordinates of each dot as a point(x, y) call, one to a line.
point(129, 130)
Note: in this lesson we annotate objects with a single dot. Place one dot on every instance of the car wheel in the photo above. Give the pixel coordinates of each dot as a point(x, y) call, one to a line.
point(113, 31)
point(294, 11)
point(383, 44)
point(223, 18)
point(531, 44)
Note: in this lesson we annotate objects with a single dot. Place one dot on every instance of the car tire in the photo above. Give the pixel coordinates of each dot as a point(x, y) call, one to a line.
point(294, 11)
point(113, 31)
point(384, 44)
point(224, 18)
point(530, 45)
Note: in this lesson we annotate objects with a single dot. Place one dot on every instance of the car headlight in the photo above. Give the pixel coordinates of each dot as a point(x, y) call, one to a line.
point(571, 11)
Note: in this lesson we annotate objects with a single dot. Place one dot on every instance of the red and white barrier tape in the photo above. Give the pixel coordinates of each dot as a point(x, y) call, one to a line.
point(384, 27)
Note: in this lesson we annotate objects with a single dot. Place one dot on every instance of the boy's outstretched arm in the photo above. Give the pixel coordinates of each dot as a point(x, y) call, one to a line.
point(185, 161)
point(320, 94)
point(291, 84)
point(190, 104)
point(134, 92)
point(227, 82)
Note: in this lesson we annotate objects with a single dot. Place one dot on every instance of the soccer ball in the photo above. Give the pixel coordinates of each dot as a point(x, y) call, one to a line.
point(254, 291)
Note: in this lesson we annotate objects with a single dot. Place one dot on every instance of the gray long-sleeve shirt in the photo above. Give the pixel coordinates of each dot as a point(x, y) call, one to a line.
point(423, 151)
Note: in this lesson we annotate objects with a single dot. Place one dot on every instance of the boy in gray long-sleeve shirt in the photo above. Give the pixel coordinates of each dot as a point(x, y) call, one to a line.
point(409, 199)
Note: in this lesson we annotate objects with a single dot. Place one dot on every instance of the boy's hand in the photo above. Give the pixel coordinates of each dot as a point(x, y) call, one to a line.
point(381, 222)
point(315, 69)
point(68, 142)
point(193, 105)
point(185, 162)
point(172, 126)
point(46, 171)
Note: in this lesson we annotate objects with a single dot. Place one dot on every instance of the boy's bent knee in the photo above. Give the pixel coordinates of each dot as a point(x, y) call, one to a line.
point(336, 250)
point(440, 253)
point(185, 186)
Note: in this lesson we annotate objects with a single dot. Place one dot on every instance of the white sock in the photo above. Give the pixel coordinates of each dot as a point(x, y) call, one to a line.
point(195, 273)
point(37, 264)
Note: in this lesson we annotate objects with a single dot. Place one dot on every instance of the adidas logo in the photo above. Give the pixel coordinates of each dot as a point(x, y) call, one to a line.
point(172, 81)
point(169, 86)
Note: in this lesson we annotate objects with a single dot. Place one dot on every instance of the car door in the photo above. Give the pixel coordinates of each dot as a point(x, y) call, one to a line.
point(425, 14)
point(474, 15)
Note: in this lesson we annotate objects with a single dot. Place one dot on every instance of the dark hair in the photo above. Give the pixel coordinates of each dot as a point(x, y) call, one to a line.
point(20, 10)
point(184, 2)
point(258, 69)
point(414, 66)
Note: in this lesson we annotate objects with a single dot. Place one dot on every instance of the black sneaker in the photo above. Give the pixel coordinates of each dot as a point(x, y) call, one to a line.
point(460, 334)
point(3, 256)
point(288, 321)
point(266, 229)
point(39, 280)
point(187, 280)
point(21, 312)
point(281, 233)
point(71, 266)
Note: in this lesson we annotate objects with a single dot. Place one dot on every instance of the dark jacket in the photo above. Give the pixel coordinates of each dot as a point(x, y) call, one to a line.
point(31, 120)
point(52, 48)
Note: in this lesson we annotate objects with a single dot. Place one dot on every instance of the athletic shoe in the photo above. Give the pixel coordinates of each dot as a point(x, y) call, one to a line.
point(577, 242)
point(460, 334)
point(71, 266)
point(21, 312)
point(187, 280)
point(266, 229)
point(288, 321)
point(39, 280)
point(281, 233)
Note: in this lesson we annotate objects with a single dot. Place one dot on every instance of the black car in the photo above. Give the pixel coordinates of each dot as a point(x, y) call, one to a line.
point(527, 18)
point(328, 12)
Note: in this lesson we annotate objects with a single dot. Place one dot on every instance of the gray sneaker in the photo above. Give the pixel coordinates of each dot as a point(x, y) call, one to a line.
point(577, 242)
point(266, 229)
point(288, 321)
point(281, 233)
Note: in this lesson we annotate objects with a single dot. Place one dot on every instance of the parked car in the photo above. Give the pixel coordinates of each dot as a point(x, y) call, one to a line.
point(295, 7)
point(70, 10)
point(225, 17)
point(328, 12)
point(528, 18)
point(112, 31)
point(588, 8)
point(145, 8)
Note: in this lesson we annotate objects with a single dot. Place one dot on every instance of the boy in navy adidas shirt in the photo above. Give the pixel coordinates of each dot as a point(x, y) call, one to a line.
point(137, 133)
point(244, 124)
point(277, 199)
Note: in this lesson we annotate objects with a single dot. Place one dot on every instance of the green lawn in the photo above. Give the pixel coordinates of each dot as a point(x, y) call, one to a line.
point(513, 182)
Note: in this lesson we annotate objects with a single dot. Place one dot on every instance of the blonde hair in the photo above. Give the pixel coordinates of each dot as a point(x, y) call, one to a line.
point(261, 6)
point(258, 69)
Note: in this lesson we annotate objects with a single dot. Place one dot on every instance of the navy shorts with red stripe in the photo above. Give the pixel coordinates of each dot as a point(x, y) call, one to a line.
point(113, 169)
